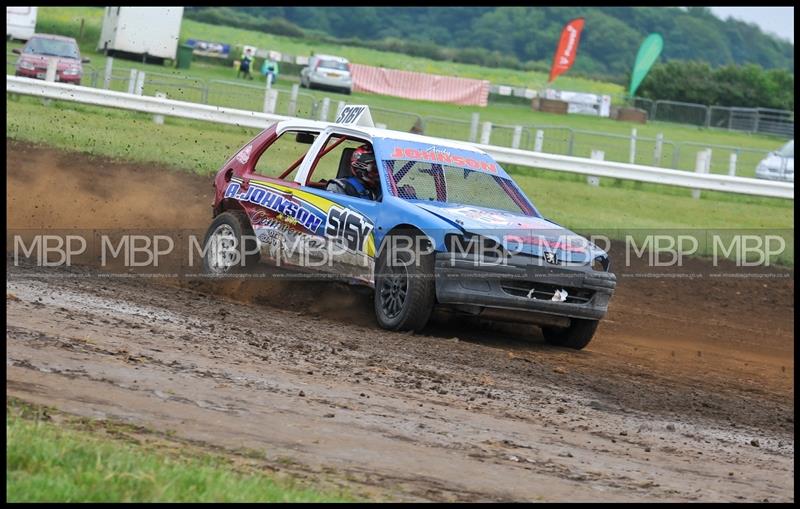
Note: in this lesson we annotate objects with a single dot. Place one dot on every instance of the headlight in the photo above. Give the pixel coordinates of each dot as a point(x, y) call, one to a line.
point(600, 264)
point(24, 64)
point(485, 249)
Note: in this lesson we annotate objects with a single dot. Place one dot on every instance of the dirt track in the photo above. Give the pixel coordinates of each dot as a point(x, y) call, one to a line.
point(686, 393)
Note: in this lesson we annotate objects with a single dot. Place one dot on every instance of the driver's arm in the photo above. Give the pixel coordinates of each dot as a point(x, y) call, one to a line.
point(336, 186)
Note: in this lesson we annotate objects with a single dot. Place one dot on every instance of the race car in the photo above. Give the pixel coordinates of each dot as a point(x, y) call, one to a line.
point(447, 227)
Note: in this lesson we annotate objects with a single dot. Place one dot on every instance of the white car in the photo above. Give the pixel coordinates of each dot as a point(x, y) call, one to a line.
point(778, 165)
point(325, 71)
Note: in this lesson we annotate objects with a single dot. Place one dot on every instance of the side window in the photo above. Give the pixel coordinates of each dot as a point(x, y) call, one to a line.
point(289, 148)
point(328, 166)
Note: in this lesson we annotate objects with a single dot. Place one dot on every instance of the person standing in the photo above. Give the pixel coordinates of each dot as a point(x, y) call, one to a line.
point(246, 63)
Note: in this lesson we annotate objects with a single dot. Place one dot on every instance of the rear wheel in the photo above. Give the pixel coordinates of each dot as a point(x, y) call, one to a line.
point(404, 286)
point(230, 246)
point(577, 335)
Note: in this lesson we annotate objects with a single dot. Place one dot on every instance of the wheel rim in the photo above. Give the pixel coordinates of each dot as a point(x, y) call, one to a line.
point(393, 292)
point(222, 249)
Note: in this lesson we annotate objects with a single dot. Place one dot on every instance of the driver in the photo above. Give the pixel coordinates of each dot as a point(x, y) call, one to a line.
point(364, 182)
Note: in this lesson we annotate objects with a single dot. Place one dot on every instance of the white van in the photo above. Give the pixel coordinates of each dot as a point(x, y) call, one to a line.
point(778, 165)
point(20, 22)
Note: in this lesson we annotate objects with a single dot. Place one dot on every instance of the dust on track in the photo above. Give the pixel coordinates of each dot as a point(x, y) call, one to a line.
point(691, 371)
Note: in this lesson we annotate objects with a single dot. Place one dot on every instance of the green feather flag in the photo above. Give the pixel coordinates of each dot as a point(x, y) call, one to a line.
point(647, 56)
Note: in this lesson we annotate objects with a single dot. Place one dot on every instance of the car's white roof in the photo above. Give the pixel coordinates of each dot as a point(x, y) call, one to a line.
point(374, 132)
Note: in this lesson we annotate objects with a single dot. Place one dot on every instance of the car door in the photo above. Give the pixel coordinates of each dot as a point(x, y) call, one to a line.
point(266, 192)
point(348, 236)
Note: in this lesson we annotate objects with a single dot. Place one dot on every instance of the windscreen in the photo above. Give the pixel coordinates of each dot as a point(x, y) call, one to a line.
point(431, 181)
point(787, 150)
point(333, 64)
point(51, 47)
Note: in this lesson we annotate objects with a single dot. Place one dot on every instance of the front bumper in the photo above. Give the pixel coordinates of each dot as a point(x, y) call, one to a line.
point(523, 284)
point(774, 174)
point(40, 74)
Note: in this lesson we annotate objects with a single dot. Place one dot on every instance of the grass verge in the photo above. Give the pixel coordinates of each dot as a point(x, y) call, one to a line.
point(54, 458)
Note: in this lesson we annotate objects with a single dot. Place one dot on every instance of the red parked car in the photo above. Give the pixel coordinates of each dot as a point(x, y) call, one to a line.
point(40, 48)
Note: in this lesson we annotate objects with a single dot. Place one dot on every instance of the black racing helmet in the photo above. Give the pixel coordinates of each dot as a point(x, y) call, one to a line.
point(363, 165)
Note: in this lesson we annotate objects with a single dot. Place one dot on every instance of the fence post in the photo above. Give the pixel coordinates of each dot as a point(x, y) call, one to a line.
point(632, 158)
point(140, 83)
point(473, 127)
point(107, 74)
point(52, 65)
point(676, 156)
point(539, 142)
point(323, 112)
point(486, 133)
point(293, 100)
point(708, 117)
point(597, 155)
point(571, 142)
point(732, 165)
point(517, 136)
point(270, 100)
point(132, 81)
point(702, 165)
point(658, 149)
point(159, 119)
point(50, 75)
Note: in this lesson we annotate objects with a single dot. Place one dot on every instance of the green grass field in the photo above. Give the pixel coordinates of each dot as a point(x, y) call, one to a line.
point(79, 460)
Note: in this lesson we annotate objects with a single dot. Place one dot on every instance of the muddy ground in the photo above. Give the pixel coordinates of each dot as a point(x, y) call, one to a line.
point(685, 394)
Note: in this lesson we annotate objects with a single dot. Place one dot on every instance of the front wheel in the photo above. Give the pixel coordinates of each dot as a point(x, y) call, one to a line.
point(577, 335)
point(404, 285)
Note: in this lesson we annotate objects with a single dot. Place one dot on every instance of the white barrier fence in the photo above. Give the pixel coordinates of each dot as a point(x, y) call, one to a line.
point(596, 168)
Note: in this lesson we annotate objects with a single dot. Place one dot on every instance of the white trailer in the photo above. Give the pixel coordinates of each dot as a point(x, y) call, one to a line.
point(20, 22)
point(146, 31)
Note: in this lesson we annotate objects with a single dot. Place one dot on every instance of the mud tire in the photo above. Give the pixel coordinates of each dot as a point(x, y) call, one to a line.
point(577, 335)
point(405, 295)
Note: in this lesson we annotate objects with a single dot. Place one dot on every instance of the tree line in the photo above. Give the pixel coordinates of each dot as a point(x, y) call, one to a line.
point(747, 86)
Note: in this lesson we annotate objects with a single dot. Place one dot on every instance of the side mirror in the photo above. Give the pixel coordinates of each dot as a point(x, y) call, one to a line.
point(17, 51)
point(306, 138)
point(85, 60)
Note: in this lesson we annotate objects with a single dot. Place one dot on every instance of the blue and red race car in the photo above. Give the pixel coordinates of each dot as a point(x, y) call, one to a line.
point(445, 225)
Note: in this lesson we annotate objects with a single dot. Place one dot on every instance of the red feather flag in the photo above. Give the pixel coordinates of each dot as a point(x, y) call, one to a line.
point(567, 48)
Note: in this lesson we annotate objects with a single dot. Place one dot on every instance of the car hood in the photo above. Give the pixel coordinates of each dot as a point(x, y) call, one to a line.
point(41, 61)
point(773, 160)
point(516, 232)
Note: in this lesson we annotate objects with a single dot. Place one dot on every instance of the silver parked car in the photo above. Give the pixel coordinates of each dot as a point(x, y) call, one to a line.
point(778, 165)
point(325, 71)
